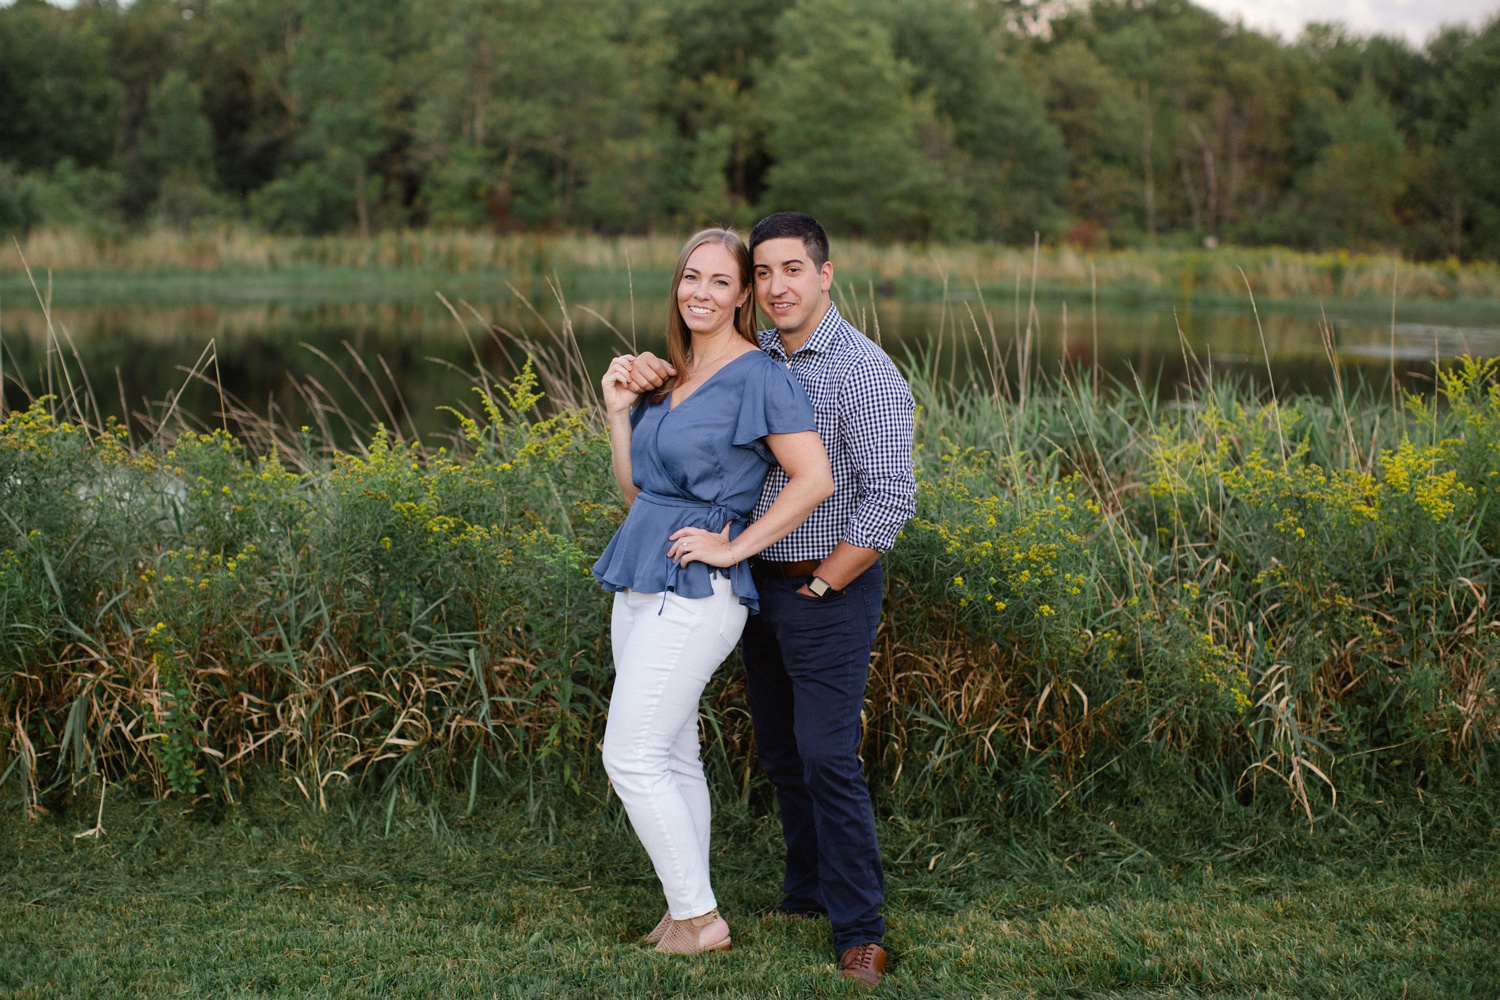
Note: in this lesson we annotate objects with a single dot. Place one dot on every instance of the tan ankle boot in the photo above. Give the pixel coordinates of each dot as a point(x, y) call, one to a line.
point(708, 932)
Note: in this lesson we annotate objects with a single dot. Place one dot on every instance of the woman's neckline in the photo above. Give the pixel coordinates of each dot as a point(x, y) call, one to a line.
point(673, 402)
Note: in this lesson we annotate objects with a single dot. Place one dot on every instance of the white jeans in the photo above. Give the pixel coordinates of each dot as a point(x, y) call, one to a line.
point(662, 663)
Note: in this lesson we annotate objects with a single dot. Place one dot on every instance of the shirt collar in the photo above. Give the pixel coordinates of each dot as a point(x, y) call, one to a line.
point(819, 342)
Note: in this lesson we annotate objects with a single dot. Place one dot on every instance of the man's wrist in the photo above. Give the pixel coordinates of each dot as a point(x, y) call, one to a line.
point(820, 587)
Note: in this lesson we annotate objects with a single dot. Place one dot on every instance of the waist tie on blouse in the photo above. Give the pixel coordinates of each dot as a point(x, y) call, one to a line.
point(718, 516)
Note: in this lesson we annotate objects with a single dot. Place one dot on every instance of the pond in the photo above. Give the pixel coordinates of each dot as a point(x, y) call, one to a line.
point(401, 359)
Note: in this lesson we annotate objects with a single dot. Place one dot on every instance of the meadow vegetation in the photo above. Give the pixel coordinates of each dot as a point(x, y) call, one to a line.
point(1177, 696)
point(1226, 600)
point(166, 263)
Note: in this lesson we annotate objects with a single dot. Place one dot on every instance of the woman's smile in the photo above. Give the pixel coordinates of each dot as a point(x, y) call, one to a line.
point(711, 290)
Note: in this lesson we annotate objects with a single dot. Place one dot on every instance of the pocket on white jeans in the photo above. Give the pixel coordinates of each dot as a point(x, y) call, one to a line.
point(733, 614)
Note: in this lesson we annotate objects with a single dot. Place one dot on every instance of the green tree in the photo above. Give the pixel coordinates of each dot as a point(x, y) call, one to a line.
point(173, 160)
point(849, 142)
point(1215, 103)
point(1349, 193)
point(242, 62)
point(718, 56)
point(70, 195)
point(1005, 171)
point(148, 41)
point(1099, 120)
point(1136, 52)
point(349, 105)
point(1233, 150)
point(536, 113)
point(19, 211)
point(1177, 61)
point(56, 96)
point(1474, 162)
point(701, 174)
point(890, 118)
point(1456, 183)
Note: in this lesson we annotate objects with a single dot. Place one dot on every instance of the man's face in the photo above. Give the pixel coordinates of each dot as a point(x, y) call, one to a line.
point(789, 289)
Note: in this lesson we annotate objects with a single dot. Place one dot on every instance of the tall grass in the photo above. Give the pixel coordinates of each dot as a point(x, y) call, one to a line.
point(1237, 591)
point(223, 248)
point(239, 252)
point(1221, 596)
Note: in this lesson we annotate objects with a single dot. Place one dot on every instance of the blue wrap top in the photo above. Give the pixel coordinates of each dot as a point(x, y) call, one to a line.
point(701, 465)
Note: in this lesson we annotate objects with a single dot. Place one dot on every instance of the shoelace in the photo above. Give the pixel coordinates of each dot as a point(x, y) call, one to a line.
point(861, 956)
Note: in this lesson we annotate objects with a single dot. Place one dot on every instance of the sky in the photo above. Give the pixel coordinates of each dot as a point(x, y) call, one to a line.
point(1414, 20)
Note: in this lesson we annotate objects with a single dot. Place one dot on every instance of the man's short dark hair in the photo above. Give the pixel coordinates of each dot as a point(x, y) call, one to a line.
point(793, 225)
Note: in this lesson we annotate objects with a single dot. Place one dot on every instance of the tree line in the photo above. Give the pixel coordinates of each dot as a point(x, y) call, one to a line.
point(1106, 123)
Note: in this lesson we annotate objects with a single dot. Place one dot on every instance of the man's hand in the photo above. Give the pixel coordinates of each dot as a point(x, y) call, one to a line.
point(843, 566)
point(649, 373)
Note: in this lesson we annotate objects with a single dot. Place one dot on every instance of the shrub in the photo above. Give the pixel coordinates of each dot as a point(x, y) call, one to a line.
point(1099, 594)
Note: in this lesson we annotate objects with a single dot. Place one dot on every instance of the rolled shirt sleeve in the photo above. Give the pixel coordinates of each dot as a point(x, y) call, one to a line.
point(864, 412)
point(876, 421)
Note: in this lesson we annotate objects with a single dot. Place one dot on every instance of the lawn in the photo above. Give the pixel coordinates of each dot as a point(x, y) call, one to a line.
point(518, 900)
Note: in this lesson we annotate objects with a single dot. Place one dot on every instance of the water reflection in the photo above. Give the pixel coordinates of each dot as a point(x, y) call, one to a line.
point(417, 356)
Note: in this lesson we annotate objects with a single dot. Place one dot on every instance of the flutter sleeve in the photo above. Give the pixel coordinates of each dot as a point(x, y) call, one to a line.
point(773, 402)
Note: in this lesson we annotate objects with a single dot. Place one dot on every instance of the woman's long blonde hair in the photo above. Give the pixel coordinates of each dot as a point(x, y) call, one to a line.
point(679, 337)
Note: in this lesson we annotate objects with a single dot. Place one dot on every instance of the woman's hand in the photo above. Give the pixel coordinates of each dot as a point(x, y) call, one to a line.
point(711, 548)
point(619, 397)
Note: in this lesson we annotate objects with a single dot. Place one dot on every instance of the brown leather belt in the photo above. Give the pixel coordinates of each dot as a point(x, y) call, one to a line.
point(803, 567)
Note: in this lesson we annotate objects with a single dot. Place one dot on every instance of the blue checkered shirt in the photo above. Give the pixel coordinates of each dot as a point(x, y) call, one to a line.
point(864, 411)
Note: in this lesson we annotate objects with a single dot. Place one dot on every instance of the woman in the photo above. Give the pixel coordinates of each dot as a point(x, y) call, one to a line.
point(690, 459)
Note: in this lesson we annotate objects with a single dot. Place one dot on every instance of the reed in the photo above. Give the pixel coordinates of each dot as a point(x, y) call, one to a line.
point(239, 253)
point(1223, 596)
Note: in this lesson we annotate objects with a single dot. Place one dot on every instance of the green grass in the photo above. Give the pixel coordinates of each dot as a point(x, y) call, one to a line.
point(275, 898)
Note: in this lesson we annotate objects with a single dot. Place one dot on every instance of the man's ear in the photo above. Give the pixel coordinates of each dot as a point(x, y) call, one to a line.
point(826, 273)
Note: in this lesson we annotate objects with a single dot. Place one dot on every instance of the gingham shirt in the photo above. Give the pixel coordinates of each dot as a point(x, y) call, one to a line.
point(864, 412)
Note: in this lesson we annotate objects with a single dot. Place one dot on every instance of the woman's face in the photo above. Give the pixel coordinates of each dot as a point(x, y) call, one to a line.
point(711, 289)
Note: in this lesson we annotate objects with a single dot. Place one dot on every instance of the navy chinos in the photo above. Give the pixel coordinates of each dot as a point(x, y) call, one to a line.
point(807, 661)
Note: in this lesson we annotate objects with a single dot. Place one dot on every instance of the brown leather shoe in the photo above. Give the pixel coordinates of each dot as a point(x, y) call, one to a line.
point(863, 963)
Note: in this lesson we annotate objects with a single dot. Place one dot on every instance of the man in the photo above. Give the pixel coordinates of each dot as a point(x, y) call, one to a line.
point(807, 654)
